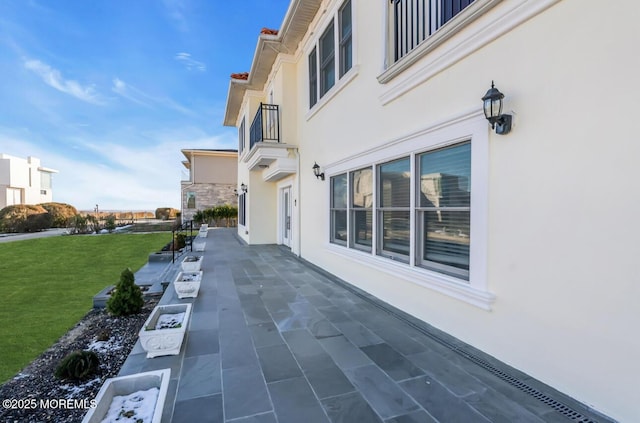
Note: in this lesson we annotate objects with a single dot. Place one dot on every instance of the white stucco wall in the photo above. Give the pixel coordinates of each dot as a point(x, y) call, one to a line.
point(562, 219)
point(23, 175)
point(555, 206)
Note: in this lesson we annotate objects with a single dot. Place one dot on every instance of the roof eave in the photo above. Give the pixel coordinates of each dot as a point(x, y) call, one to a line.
point(285, 41)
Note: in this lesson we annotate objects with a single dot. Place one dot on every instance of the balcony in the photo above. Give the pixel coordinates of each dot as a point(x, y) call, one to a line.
point(266, 125)
point(267, 152)
point(416, 20)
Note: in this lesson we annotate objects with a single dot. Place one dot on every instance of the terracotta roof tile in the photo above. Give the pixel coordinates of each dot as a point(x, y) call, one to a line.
point(268, 31)
point(242, 75)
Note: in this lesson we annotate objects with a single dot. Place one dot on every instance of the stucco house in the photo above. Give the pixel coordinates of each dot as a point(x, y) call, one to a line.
point(24, 181)
point(364, 147)
point(211, 181)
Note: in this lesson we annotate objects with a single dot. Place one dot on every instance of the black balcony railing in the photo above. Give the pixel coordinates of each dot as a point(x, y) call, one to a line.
point(415, 20)
point(266, 125)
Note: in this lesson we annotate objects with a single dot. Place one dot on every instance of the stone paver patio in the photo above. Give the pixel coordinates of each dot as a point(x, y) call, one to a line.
point(275, 339)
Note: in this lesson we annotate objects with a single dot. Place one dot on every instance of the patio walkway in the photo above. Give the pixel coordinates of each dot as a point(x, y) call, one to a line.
point(275, 339)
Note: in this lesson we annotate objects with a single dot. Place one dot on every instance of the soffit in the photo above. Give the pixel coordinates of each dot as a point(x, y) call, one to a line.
point(295, 25)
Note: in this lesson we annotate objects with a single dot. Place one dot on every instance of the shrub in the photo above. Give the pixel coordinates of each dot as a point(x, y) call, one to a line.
point(181, 241)
point(78, 224)
point(78, 365)
point(166, 213)
point(110, 223)
point(127, 297)
point(14, 218)
point(60, 213)
point(37, 222)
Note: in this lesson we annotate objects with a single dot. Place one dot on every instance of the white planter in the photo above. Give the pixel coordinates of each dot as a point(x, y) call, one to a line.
point(191, 264)
point(157, 342)
point(204, 226)
point(187, 284)
point(199, 245)
point(126, 385)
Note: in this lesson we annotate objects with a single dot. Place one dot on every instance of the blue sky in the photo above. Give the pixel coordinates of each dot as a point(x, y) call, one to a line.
point(108, 92)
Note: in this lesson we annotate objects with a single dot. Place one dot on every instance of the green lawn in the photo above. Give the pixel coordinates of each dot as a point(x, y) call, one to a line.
point(47, 286)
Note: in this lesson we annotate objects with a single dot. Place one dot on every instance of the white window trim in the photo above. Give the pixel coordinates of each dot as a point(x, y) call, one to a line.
point(471, 125)
point(340, 82)
point(505, 17)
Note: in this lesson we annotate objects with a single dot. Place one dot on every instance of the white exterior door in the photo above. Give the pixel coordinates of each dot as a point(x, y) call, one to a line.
point(286, 216)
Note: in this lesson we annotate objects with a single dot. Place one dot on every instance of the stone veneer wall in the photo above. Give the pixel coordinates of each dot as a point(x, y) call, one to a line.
point(207, 196)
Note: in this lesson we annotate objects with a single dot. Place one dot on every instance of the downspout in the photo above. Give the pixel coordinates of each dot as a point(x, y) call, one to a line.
point(297, 203)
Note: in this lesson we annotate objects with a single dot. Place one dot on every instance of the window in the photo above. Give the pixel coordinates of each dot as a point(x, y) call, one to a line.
point(372, 210)
point(327, 60)
point(324, 63)
point(191, 200)
point(415, 20)
point(361, 193)
point(241, 137)
point(394, 201)
point(443, 209)
point(346, 49)
point(339, 209)
point(242, 209)
point(313, 78)
point(45, 180)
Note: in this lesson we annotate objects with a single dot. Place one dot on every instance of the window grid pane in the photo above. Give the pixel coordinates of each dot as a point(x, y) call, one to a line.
point(313, 78)
point(338, 233)
point(346, 52)
point(327, 60)
point(361, 202)
point(394, 222)
point(444, 209)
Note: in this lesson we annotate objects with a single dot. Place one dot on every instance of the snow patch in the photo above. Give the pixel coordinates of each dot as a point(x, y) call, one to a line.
point(170, 320)
point(133, 408)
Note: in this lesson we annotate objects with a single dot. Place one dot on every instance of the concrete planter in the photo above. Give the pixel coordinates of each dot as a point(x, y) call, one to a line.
point(126, 385)
point(187, 284)
point(191, 264)
point(202, 233)
point(158, 342)
point(199, 244)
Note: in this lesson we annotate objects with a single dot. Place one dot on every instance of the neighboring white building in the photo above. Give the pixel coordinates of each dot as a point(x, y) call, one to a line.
point(24, 181)
point(212, 179)
point(522, 245)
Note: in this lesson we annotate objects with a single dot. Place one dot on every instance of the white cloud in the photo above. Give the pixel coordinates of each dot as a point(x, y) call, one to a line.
point(54, 78)
point(125, 176)
point(130, 93)
point(189, 63)
point(136, 95)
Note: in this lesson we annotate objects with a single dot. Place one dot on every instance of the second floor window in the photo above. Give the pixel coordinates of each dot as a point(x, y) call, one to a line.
point(333, 55)
point(415, 20)
point(241, 137)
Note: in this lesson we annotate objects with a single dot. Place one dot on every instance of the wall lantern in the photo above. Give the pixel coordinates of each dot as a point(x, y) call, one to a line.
point(493, 111)
point(244, 188)
point(316, 171)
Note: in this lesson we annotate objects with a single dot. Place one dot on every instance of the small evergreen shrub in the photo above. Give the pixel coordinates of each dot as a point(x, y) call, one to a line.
point(181, 241)
point(127, 298)
point(78, 365)
point(110, 223)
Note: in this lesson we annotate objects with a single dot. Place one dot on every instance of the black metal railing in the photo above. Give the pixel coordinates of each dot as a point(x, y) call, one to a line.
point(266, 125)
point(415, 20)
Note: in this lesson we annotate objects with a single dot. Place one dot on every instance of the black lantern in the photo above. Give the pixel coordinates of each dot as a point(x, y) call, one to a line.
point(244, 188)
point(493, 111)
point(316, 171)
